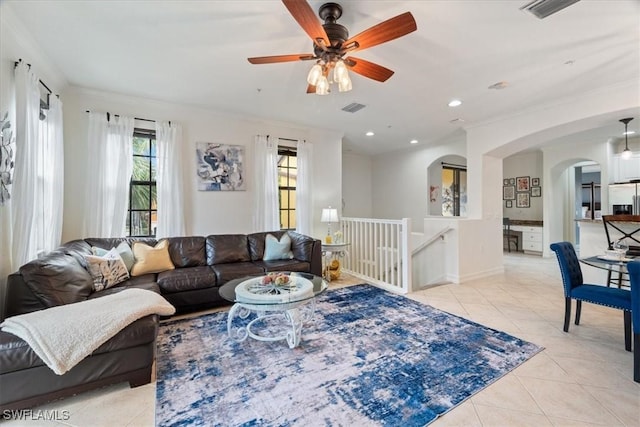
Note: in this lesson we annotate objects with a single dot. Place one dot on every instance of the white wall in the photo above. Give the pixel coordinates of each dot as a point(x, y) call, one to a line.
point(205, 212)
point(400, 180)
point(525, 164)
point(356, 186)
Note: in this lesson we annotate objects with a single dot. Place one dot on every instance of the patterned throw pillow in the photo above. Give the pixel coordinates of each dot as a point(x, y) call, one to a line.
point(107, 270)
point(277, 249)
point(123, 249)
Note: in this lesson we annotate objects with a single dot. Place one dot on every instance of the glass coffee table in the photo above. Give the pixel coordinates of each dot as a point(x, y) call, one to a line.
point(290, 304)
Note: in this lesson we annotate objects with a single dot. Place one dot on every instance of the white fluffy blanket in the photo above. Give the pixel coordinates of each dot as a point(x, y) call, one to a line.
point(64, 335)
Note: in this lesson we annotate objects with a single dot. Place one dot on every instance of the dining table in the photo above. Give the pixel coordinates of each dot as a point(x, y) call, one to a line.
point(612, 266)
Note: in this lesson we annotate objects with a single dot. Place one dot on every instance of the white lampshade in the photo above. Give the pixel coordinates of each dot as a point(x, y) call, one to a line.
point(314, 74)
point(329, 215)
point(322, 88)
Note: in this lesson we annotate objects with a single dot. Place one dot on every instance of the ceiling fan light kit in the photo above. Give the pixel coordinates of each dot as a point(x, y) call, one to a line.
point(331, 45)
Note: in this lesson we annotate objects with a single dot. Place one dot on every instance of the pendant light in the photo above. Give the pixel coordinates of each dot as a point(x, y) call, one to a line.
point(626, 154)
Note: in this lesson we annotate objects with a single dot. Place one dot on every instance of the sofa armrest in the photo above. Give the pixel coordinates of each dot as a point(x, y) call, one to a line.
point(306, 248)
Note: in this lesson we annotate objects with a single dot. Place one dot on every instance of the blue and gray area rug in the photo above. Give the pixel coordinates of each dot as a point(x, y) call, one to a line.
point(369, 358)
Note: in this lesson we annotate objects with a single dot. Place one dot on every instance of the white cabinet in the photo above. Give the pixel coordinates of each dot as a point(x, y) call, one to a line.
point(531, 238)
point(626, 170)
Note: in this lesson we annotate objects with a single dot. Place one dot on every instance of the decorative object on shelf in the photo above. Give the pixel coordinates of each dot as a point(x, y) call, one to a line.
point(626, 154)
point(522, 183)
point(522, 200)
point(508, 204)
point(509, 192)
point(329, 215)
point(337, 237)
point(536, 191)
point(6, 159)
point(535, 182)
point(220, 167)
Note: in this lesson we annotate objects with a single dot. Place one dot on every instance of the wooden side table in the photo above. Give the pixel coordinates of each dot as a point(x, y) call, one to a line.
point(332, 252)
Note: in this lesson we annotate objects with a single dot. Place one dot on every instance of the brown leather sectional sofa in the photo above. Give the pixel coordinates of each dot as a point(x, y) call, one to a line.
point(202, 265)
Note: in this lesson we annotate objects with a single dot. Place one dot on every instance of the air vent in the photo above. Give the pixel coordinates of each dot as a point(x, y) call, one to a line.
point(544, 8)
point(353, 107)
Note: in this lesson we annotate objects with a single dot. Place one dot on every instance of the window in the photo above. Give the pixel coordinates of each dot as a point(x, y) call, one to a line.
point(287, 178)
point(142, 216)
point(454, 191)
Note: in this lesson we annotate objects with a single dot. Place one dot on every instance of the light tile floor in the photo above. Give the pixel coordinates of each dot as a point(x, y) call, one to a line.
point(582, 378)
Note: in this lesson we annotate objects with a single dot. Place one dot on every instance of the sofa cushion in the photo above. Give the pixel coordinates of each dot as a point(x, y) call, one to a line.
point(187, 251)
point(57, 279)
point(226, 272)
point(226, 248)
point(133, 282)
point(112, 242)
point(107, 270)
point(186, 279)
point(123, 249)
point(151, 259)
point(275, 249)
point(15, 354)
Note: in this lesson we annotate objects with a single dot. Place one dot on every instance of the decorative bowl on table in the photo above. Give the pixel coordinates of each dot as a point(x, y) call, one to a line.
point(614, 254)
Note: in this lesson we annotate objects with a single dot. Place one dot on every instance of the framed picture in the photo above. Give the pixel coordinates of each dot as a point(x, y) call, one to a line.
point(509, 192)
point(522, 183)
point(505, 181)
point(512, 181)
point(220, 167)
point(522, 200)
point(535, 182)
point(536, 191)
point(508, 204)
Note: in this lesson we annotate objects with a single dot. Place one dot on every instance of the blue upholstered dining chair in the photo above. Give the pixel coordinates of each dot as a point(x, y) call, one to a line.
point(634, 277)
point(575, 288)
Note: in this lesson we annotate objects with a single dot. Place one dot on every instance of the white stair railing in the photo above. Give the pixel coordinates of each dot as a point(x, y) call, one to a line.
point(379, 251)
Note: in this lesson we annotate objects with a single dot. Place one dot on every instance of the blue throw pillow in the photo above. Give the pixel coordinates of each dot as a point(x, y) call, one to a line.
point(277, 249)
point(123, 249)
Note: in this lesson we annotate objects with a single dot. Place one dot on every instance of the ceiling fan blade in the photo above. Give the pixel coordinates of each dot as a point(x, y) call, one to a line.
point(368, 69)
point(383, 32)
point(306, 17)
point(311, 89)
point(281, 58)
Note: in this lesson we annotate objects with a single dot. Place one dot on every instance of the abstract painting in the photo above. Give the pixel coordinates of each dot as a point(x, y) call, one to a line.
point(220, 167)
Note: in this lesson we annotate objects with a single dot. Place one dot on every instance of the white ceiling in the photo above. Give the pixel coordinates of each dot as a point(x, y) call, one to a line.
point(194, 52)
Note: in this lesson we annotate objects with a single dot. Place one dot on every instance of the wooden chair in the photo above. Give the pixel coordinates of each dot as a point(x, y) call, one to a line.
point(508, 235)
point(619, 227)
point(575, 288)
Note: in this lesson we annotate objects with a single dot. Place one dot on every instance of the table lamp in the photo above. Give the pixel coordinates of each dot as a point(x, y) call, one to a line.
point(329, 215)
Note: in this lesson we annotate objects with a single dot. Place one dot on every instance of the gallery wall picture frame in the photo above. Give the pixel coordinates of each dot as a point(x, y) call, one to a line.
point(535, 182)
point(508, 204)
point(523, 200)
point(220, 167)
point(522, 183)
point(505, 181)
point(509, 192)
point(536, 191)
point(512, 181)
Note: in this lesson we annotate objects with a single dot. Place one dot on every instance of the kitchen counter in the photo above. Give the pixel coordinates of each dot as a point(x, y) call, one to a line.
point(526, 222)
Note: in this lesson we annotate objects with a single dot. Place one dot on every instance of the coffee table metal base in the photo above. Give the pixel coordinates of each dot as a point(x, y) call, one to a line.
point(294, 314)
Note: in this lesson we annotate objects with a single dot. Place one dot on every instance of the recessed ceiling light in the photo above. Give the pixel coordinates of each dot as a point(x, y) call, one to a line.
point(456, 120)
point(631, 132)
point(413, 141)
point(370, 133)
point(569, 62)
point(455, 103)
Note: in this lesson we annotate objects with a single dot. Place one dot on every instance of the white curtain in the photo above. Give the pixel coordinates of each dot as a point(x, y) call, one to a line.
point(304, 206)
point(169, 180)
point(266, 210)
point(24, 202)
point(109, 166)
point(53, 172)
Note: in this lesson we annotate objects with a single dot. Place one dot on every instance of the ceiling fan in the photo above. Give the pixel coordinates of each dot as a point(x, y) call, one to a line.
point(331, 45)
